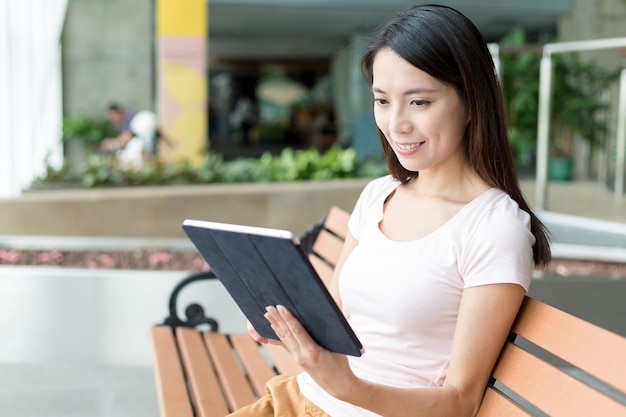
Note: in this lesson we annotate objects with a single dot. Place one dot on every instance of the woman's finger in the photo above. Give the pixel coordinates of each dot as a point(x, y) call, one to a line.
point(258, 338)
point(254, 334)
point(289, 329)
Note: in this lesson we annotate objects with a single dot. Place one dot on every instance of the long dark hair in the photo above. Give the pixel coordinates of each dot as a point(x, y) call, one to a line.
point(445, 44)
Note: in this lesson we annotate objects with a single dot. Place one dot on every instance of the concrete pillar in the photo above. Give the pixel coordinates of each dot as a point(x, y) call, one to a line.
point(108, 48)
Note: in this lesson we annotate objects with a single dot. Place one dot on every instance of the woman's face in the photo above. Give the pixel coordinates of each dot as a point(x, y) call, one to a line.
point(422, 118)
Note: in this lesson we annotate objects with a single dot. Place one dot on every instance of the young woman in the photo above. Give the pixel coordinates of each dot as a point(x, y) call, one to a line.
point(440, 253)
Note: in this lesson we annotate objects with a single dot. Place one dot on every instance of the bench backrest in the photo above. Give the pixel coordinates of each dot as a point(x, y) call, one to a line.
point(326, 246)
point(557, 364)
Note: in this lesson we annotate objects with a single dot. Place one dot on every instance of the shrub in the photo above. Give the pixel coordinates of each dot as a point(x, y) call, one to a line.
point(289, 165)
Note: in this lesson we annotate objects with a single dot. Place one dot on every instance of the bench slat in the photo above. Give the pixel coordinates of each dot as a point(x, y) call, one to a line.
point(235, 386)
point(337, 222)
point(328, 246)
point(324, 270)
point(569, 337)
point(207, 394)
point(542, 384)
point(256, 366)
point(496, 404)
point(168, 373)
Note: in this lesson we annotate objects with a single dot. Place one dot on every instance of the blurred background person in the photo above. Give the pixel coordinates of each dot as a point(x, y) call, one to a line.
point(138, 136)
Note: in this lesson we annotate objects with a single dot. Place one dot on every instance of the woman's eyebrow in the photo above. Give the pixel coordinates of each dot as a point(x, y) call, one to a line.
point(418, 90)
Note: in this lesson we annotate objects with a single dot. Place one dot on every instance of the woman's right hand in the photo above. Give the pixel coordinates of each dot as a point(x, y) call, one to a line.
point(258, 338)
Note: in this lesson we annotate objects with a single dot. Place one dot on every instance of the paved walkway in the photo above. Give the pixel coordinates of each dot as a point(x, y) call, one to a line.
point(77, 340)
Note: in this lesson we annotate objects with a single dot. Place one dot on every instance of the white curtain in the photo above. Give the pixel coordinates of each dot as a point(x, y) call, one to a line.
point(30, 90)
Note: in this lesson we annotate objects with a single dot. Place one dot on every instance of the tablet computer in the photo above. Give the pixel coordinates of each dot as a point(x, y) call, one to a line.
point(262, 267)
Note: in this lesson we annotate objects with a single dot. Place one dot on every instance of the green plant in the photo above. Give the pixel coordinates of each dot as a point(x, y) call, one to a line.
point(520, 86)
point(576, 105)
point(290, 165)
point(87, 130)
point(53, 174)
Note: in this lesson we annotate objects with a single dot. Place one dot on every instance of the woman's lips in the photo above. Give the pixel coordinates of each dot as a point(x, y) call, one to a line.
point(408, 148)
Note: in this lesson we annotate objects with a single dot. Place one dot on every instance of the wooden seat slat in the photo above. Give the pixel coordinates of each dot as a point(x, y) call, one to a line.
point(567, 336)
point(235, 386)
point(541, 383)
point(495, 404)
point(203, 383)
point(255, 364)
point(168, 373)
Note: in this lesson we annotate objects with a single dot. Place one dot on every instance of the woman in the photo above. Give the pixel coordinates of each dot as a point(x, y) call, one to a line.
point(440, 253)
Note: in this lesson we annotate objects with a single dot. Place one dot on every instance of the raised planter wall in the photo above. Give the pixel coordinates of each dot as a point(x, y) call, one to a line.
point(160, 211)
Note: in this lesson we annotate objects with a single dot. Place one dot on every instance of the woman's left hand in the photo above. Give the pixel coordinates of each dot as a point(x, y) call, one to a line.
point(330, 370)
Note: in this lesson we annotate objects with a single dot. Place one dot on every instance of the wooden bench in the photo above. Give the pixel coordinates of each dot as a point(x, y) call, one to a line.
point(554, 364)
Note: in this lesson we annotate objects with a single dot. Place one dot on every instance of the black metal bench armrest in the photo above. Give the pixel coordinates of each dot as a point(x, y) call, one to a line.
point(194, 312)
point(307, 239)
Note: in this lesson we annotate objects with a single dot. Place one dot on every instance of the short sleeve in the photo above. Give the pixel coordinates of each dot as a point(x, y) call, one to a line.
point(355, 221)
point(500, 248)
point(369, 205)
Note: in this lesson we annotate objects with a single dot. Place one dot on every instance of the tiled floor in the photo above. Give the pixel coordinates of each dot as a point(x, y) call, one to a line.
point(76, 389)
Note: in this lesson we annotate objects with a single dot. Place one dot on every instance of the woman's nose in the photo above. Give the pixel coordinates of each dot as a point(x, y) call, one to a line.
point(399, 121)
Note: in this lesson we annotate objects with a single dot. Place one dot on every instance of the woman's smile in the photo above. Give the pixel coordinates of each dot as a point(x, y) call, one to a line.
point(408, 148)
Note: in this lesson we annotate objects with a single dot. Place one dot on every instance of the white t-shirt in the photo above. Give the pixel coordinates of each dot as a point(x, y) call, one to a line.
point(402, 298)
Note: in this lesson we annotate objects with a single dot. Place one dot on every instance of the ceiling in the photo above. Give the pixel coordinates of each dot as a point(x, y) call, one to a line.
point(265, 30)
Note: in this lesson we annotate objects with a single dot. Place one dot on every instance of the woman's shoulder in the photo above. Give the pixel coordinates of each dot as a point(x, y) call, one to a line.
point(370, 203)
point(500, 208)
point(384, 183)
point(379, 188)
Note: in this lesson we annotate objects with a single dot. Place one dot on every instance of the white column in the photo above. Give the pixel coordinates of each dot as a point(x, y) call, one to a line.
point(6, 121)
point(543, 132)
point(621, 137)
point(30, 103)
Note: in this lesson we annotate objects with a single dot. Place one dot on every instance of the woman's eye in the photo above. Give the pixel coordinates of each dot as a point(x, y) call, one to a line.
point(420, 103)
point(380, 101)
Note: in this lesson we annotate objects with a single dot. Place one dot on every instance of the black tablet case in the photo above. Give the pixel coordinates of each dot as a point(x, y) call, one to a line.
point(259, 271)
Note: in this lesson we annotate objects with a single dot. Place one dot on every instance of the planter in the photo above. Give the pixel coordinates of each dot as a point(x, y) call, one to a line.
point(560, 168)
point(158, 211)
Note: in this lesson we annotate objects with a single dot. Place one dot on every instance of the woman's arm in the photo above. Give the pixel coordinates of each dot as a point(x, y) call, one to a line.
point(333, 287)
point(485, 316)
point(113, 144)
